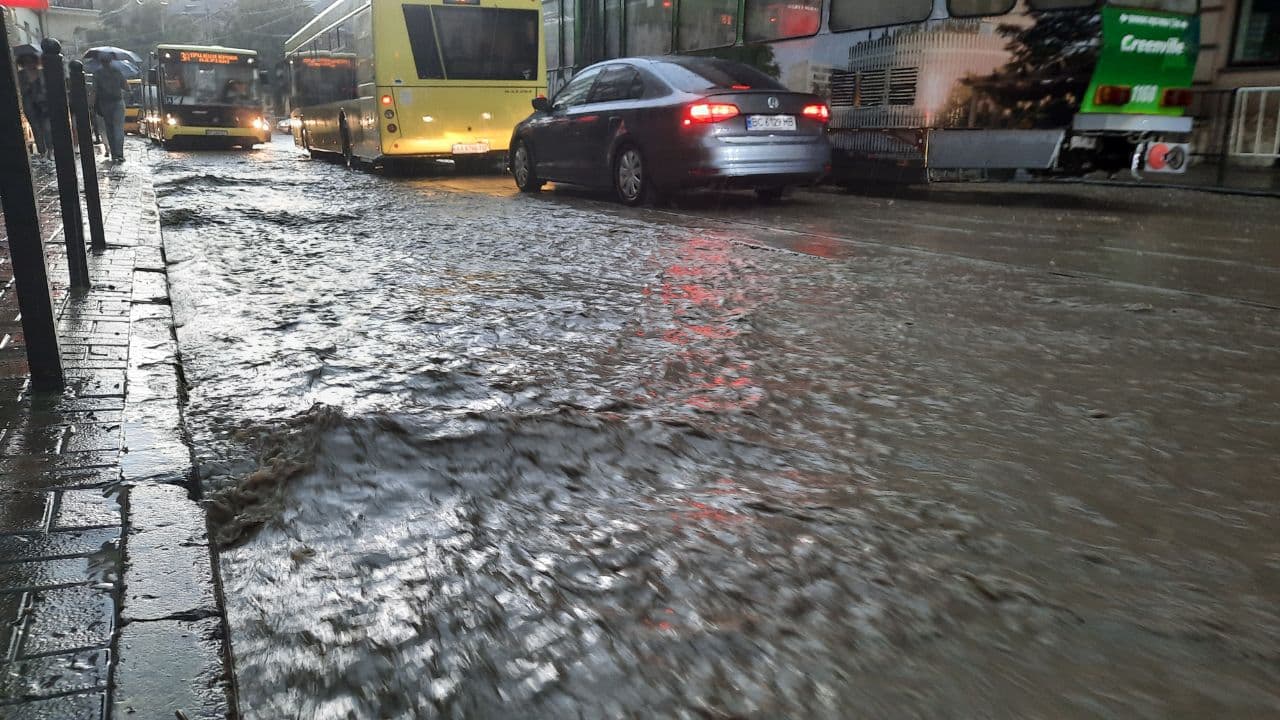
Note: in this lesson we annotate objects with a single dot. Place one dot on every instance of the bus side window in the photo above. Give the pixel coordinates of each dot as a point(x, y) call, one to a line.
point(978, 8)
point(708, 24)
point(774, 20)
point(648, 27)
point(1060, 4)
point(861, 14)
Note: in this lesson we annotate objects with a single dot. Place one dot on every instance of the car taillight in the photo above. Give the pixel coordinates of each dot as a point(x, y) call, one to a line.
point(709, 113)
point(1112, 95)
point(1176, 97)
point(817, 112)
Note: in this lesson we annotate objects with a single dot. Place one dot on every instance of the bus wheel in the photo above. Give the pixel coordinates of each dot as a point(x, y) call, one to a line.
point(348, 155)
point(522, 168)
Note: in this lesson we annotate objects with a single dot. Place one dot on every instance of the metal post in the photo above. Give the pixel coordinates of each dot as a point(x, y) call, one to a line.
point(88, 167)
point(1225, 154)
point(55, 85)
point(26, 247)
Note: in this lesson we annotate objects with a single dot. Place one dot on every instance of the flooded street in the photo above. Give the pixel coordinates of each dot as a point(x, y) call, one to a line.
point(974, 451)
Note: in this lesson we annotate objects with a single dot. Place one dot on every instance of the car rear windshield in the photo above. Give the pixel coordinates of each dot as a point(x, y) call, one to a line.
point(695, 76)
point(473, 43)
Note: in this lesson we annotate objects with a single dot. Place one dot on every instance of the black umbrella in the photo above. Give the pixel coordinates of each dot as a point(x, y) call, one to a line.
point(25, 49)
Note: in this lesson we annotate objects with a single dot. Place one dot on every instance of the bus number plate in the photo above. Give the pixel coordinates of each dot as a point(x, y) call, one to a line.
point(765, 123)
point(470, 148)
point(215, 132)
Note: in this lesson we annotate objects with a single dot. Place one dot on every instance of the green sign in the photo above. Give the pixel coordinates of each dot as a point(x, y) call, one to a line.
point(1146, 52)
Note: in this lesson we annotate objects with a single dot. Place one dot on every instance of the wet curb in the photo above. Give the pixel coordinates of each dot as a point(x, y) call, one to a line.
point(1243, 192)
point(172, 651)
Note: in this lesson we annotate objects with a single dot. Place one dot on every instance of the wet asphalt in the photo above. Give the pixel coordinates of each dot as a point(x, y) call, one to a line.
point(999, 451)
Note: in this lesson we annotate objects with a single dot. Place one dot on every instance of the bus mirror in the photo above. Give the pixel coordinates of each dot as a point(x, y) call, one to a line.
point(542, 104)
point(153, 77)
point(264, 77)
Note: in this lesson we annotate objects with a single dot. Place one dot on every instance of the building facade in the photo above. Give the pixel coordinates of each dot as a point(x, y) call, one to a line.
point(1239, 44)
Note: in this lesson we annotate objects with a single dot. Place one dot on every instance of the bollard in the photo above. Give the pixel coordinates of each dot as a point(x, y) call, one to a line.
point(88, 166)
point(64, 156)
point(26, 247)
point(1224, 153)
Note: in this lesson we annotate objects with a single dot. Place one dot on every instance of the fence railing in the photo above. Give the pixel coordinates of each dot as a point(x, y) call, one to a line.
point(1255, 127)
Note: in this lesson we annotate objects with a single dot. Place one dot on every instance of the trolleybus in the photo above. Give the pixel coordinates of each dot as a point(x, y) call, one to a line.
point(206, 95)
point(932, 88)
point(375, 81)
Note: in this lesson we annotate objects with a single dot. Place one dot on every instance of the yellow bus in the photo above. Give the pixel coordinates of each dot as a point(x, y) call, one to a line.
point(375, 81)
point(206, 95)
point(133, 106)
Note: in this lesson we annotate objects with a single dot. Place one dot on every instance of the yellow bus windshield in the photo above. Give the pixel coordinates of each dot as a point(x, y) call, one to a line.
point(209, 78)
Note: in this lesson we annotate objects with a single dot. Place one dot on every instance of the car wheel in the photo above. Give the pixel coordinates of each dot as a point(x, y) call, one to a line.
point(630, 180)
point(522, 169)
point(770, 194)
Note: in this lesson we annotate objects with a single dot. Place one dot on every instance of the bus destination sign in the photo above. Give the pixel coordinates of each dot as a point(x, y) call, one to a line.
point(212, 58)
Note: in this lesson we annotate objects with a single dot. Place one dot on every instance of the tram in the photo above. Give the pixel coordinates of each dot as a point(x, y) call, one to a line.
point(933, 89)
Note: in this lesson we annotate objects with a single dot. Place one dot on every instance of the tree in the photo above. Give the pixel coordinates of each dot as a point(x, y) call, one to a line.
point(140, 25)
point(262, 25)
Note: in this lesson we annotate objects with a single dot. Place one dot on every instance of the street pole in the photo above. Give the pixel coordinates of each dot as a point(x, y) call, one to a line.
point(88, 167)
point(26, 246)
point(64, 157)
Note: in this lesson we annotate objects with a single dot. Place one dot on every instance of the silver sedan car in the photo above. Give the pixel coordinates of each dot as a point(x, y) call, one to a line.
point(651, 126)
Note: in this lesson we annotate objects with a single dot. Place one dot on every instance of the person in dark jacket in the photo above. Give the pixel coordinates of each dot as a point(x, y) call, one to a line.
point(35, 104)
point(109, 90)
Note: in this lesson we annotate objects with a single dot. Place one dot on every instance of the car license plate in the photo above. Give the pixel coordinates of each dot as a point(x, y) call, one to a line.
point(215, 132)
point(470, 148)
point(765, 123)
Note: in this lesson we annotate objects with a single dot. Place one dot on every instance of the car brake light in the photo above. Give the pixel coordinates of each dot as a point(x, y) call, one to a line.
point(817, 112)
point(1176, 97)
point(710, 113)
point(1112, 95)
point(739, 87)
point(386, 99)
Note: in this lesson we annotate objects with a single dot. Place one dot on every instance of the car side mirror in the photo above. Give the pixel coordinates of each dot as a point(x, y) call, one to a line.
point(542, 104)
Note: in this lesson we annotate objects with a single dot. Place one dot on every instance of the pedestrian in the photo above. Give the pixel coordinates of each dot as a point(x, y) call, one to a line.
point(109, 90)
point(35, 103)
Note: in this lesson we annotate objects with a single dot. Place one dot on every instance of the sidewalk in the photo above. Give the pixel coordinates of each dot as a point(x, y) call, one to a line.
point(107, 598)
point(1204, 177)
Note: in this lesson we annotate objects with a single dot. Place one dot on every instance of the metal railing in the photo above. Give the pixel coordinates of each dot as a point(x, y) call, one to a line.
point(72, 4)
point(1255, 127)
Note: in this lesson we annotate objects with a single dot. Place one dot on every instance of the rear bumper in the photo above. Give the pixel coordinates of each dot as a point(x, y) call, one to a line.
point(238, 133)
point(1121, 122)
point(720, 162)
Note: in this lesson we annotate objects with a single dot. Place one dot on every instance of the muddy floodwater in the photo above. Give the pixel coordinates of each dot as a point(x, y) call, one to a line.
point(959, 454)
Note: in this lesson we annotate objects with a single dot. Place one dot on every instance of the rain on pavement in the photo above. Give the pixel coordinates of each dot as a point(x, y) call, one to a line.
point(971, 451)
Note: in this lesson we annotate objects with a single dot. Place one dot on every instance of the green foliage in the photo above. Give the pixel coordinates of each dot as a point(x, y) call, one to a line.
point(141, 26)
point(262, 25)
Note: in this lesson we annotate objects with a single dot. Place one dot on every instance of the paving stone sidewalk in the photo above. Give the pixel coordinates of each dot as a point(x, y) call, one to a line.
point(108, 606)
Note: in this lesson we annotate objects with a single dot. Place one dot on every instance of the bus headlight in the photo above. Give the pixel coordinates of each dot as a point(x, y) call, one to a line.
point(171, 120)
